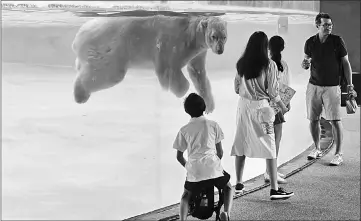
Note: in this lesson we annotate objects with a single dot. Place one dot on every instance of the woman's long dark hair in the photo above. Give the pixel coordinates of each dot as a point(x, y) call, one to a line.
point(255, 57)
point(276, 45)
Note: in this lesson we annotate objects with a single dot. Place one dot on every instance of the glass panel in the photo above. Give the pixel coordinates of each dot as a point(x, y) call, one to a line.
point(112, 157)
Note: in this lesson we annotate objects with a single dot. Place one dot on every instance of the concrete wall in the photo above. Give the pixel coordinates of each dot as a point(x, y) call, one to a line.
point(346, 19)
point(299, 5)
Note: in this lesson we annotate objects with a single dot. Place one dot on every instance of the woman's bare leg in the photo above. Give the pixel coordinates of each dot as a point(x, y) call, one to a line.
point(239, 163)
point(271, 165)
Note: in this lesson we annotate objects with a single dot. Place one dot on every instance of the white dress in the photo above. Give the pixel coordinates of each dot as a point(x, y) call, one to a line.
point(254, 136)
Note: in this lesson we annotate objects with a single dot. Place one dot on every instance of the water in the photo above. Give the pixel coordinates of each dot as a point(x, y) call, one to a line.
point(112, 157)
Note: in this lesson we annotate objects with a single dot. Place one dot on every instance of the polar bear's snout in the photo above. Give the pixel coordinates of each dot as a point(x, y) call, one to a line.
point(219, 49)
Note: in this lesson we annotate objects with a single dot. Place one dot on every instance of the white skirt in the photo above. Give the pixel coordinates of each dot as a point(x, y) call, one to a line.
point(255, 134)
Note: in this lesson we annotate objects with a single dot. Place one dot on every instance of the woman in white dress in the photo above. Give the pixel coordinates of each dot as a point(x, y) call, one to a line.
point(257, 84)
point(276, 45)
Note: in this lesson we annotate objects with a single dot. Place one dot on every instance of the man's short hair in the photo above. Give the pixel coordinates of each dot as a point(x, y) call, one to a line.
point(321, 15)
point(194, 105)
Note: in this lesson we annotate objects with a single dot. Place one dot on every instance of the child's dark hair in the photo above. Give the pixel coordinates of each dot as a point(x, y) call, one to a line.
point(194, 105)
point(276, 45)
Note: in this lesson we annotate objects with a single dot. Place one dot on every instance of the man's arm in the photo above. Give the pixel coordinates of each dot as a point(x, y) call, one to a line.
point(306, 62)
point(307, 56)
point(347, 69)
point(180, 158)
point(219, 150)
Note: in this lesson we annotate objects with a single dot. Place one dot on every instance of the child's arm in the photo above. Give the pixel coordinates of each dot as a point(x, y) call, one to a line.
point(219, 149)
point(180, 144)
point(180, 158)
point(219, 138)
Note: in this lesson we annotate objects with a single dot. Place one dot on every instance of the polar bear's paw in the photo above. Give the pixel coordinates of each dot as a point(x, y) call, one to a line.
point(80, 94)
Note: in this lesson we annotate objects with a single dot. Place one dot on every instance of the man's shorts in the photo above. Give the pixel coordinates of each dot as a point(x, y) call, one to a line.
point(279, 118)
point(219, 182)
point(327, 98)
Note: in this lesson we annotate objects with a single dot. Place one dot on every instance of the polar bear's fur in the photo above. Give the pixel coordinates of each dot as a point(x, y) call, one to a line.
point(106, 47)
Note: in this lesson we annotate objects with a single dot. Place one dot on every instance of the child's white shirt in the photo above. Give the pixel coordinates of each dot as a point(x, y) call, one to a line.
point(199, 137)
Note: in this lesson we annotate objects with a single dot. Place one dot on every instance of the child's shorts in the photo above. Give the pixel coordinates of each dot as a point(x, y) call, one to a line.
point(219, 182)
point(279, 118)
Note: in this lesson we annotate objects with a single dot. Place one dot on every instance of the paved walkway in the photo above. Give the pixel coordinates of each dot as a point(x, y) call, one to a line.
point(322, 192)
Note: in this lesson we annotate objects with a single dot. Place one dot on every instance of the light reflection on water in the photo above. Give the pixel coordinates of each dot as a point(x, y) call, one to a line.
point(61, 17)
point(58, 15)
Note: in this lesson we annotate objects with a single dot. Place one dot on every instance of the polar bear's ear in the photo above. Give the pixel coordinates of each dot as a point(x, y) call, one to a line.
point(204, 23)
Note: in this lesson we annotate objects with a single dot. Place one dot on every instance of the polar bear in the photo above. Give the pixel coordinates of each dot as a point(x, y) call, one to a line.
point(106, 47)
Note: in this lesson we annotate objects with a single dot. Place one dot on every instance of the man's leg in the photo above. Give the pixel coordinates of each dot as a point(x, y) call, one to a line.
point(337, 130)
point(332, 103)
point(314, 109)
point(315, 133)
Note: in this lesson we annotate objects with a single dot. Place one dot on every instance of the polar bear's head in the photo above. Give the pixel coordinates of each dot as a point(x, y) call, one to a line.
point(215, 30)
